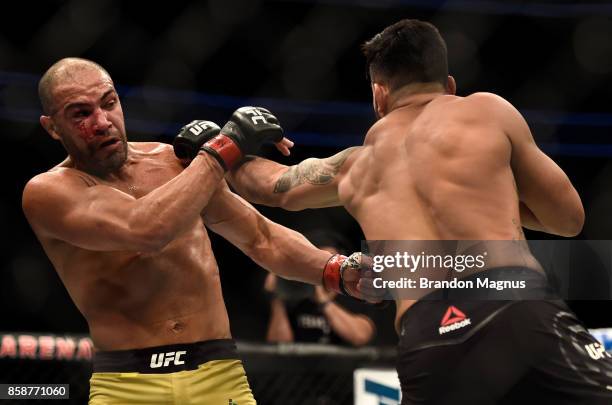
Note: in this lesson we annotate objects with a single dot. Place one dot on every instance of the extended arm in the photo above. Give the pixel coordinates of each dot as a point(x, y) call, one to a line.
point(64, 206)
point(272, 246)
point(98, 217)
point(313, 183)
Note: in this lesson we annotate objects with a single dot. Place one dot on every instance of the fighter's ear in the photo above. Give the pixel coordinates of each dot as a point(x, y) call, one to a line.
point(380, 98)
point(451, 85)
point(49, 126)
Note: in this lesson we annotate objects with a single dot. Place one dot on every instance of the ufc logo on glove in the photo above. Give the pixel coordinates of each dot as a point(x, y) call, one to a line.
point(256, 115)
point(164, 359)
point(200, 127)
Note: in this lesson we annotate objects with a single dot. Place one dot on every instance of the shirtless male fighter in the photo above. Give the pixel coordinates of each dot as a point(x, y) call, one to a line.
point(436, 166)
point(123, 224)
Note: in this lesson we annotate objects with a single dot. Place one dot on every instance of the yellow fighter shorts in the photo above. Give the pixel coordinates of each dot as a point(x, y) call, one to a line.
point(208, 373)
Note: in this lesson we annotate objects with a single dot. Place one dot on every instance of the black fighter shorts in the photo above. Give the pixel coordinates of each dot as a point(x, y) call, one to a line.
point(455, 351)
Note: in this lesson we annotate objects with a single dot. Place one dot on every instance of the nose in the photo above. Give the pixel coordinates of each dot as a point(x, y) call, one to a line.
point(101, 124)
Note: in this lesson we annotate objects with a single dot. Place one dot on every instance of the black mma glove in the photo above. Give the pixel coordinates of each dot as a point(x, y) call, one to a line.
point(192, 136)
point(243, 134)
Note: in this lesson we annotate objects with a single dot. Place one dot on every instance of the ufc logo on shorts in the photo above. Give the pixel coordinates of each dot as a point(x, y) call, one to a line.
point(256, 115)
point(164, 359)
point(596, 351)
point(198, 128)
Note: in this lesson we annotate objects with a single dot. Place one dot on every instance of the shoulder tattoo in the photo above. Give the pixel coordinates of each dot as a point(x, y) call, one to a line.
point(313, 171)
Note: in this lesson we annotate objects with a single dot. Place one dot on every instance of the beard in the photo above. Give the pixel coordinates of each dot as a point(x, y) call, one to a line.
point(95, 159)
point(116, 159)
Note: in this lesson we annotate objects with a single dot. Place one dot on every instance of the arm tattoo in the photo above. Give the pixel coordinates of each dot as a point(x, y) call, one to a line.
point(313, 171)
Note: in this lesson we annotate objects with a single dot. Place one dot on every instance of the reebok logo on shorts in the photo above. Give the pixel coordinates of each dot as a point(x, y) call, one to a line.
point(453, 319)
point(164, 359)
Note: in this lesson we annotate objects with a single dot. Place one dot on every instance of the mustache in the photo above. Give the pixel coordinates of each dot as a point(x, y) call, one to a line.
point(105, 139)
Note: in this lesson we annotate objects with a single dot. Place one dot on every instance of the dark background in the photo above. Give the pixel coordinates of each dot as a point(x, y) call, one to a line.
point(184, 60)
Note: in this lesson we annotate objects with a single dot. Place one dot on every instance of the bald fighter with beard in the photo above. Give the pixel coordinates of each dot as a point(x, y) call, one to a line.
point(124, 225)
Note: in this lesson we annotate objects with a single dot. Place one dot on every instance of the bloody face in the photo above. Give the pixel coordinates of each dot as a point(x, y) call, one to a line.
point(88, 119)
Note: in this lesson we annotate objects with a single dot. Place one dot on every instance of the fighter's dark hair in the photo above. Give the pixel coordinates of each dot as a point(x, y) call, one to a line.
point(409, 51)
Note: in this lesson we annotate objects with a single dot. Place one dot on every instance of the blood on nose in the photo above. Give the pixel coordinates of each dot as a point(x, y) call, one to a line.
point(86, 131)
point(96, 123)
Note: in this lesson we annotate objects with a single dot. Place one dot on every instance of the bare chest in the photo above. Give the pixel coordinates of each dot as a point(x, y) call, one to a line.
point(144, 176)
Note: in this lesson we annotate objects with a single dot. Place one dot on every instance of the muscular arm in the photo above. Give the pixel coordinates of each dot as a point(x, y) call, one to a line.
point(61, 205)
point(313, 183)
point(550, 203)
point(276, 248)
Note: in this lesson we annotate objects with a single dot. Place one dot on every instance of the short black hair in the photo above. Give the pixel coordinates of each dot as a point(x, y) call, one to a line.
point(409, 51)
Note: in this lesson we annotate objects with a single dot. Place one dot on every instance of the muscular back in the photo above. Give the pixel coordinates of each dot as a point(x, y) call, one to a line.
point(139, 298)
point(438, 170)
point(436, 167)
point(441, 170)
